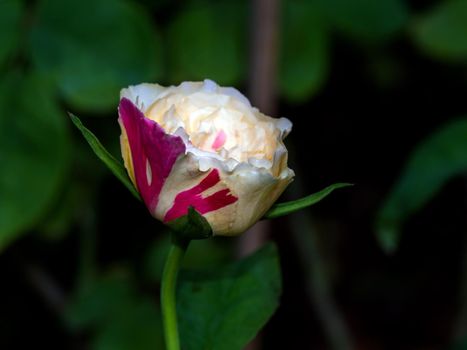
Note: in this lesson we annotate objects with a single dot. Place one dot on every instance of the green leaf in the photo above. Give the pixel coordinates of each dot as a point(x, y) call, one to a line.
point(367, 21)
point(92, 59)
point(304, 53)
point(10, 16)
point(205, 43)
point(34, 153)
point(114, 165)
point(441, 32)
point(286, 208)
point(433, 162)
point(224, 308)
point(120, 317)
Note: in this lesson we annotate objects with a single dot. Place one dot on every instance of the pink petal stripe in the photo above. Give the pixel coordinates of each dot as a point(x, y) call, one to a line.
point(149, 144)
point(220, 140)
point(193, 197)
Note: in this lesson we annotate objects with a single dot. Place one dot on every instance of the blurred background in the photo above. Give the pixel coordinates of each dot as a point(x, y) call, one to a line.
point(377, 92)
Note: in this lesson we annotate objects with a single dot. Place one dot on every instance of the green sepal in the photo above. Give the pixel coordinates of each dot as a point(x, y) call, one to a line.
point(108, 159)
point(191, 226)
point(285, 208)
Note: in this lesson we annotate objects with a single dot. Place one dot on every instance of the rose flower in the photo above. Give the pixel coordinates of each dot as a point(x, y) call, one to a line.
point(203, 146)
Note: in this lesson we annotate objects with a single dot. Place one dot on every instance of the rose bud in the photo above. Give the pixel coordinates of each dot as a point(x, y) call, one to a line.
point(203, 146)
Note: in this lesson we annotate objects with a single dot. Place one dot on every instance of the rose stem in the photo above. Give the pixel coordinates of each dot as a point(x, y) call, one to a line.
point(168, 289)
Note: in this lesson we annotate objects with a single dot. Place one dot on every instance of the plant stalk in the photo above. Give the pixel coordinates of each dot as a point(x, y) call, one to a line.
point(168, 290)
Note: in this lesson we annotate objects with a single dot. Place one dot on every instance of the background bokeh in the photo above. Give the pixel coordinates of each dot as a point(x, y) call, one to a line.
point(377, 92)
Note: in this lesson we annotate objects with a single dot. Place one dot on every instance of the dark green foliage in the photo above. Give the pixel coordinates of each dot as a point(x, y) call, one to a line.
point(224, 308)
point(10, 30)
point(34, 153)
point(122, 318)
point(441, 32)
point(93, 48)
point(209, 42)
point(367, 21)
point(436, 160)
point(304, 51)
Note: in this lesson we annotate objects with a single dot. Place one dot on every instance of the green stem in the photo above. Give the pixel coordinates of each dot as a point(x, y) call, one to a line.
point(168, 289)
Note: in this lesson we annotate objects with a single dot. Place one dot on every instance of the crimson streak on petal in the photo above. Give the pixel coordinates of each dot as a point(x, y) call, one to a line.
point(153, 152)
point(193, 197)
